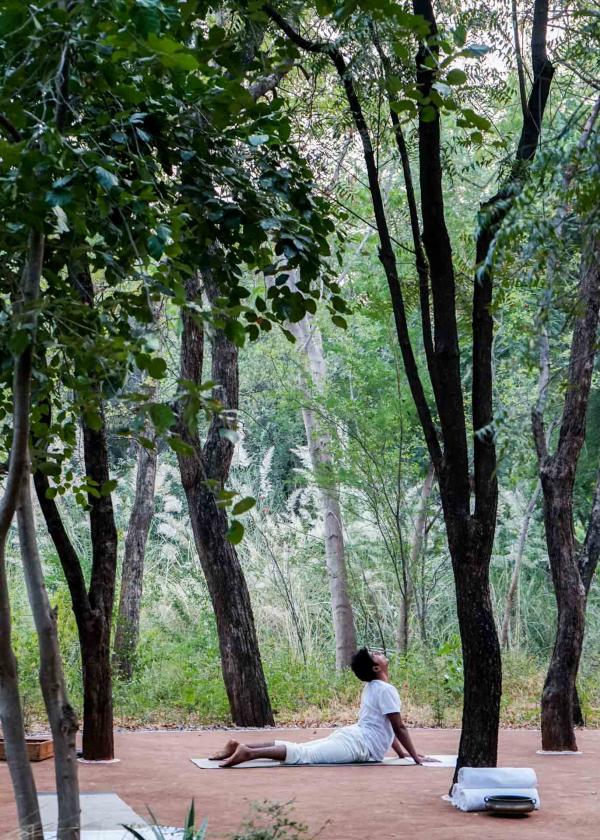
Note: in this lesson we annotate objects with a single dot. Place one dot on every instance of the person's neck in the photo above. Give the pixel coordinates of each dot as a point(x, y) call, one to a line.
point(383, 676)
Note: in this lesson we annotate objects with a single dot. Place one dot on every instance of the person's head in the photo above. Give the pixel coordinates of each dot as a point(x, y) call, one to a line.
point(369, 665)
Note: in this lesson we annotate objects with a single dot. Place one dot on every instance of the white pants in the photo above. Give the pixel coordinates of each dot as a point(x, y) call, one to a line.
point(344, 746)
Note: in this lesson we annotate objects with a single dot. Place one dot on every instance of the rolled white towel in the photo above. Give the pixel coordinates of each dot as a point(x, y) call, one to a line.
point(497, 777)
point(473, 799)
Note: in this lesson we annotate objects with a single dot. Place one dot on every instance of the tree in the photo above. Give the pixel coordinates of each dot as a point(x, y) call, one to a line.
point(310, 344)
point(470, 534)
point(11, 715)
point(572, 570)
point(132, 575)
point(204, 471)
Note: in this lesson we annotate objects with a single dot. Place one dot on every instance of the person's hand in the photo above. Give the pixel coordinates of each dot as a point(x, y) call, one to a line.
point(418, 759)
point(429, 759)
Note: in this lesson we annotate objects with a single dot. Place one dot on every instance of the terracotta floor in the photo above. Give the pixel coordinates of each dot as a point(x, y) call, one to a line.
point(357, 803)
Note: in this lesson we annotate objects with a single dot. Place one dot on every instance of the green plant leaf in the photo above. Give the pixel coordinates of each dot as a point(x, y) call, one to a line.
point(235, 533)
point(243, 505)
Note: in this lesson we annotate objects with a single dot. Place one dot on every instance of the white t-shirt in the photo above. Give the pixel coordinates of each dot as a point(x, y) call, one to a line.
point(378, 699)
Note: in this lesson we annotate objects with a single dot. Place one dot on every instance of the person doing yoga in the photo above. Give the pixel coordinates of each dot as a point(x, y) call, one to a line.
point(379, 727)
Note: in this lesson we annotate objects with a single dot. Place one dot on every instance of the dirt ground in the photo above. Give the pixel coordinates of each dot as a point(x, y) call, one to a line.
point(347, 803)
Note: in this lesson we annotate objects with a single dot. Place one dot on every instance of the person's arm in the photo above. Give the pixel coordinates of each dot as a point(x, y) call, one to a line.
point(401, 733)
point(397, 747)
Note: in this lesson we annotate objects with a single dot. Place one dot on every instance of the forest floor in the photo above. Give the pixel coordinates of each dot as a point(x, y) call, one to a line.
point(340, 803)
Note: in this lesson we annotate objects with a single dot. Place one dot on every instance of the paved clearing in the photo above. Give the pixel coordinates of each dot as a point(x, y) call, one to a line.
point(361, 803)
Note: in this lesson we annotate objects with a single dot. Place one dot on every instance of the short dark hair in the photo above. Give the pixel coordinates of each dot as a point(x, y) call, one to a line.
point(362, 664)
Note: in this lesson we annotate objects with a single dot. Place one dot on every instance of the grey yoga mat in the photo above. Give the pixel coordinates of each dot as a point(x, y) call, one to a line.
point(98, 811)
point(442, 761)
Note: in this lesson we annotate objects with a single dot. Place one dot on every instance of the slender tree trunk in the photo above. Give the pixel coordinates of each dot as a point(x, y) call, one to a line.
point(92, 608)
point(319, 447)
point(557, 473)
point(61, 715)
point(514, 581)
point(11, 715)
point(203, 475)
point(588, 562)
point(128, 623)
point(559, 687)
point(416, 547)
point(309, 343)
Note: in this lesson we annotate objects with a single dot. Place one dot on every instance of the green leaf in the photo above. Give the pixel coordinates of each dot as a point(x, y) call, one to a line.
point(155, 247)
point(235, 332)
point(19, 341)
point(93, 420)
point(460, 35)
point(476, 120)
point(402, 105)
point(339, 321)
point(258, 139)
point(156, 367)
point(235, 533)
point(427, 114)
point(108, 487)
point(105, 178)
point(456, 77)
point(179, 446)
point(162, 416)
point(243, 505)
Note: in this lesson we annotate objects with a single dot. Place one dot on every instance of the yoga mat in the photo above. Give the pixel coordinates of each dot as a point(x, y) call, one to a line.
point(120, 834)
point(207, 764)
point(99, 811)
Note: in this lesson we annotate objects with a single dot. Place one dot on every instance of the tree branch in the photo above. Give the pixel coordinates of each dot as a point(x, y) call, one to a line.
point(421, 263)
point(67, 555)
point(26, 317)
point(493, 214)
point(450, 402)
point(519, 58)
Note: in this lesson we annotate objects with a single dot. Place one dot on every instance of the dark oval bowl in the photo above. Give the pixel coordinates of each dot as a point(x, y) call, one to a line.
point(509, 804)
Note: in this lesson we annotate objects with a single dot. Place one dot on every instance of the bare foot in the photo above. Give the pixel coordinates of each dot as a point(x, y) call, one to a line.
point(229, 749)
point(241, 754)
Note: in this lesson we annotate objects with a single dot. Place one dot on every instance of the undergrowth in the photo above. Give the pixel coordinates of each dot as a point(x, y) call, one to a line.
point(177, 680)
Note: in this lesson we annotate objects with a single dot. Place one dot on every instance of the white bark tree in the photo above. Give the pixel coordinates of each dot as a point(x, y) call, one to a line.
point(309, 344)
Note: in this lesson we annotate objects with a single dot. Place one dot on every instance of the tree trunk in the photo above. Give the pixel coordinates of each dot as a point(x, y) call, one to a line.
point(203, 475)
point(61, 715)
point(514, 581)
point(559, 687)
point(128, 623)
point(238, 644)
point(588, 562)
point(309, 342)
point(416, 547)
point(92, 606)
point(557, 473)
point(94, 642)
point(319, 447)
point(11, 715)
